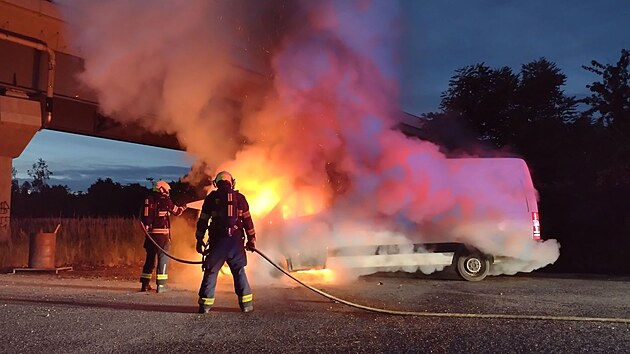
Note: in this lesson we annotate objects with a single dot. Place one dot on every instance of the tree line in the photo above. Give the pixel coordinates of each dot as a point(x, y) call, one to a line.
point(104, 198)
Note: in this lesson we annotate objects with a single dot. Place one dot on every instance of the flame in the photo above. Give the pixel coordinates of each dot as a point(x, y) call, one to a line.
point(262, 196)
point(316, 275)
point(270, 183)
point(264, 201)
point(304, 201)
point(286, 212)
point(225, 270)
point(263, 189)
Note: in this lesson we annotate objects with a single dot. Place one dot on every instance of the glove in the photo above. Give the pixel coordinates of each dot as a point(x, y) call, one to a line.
point(251, 245)
point(199, 246)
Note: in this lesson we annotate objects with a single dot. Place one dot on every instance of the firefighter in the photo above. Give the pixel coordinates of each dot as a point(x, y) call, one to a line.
point(155, 216)
point(228, 213)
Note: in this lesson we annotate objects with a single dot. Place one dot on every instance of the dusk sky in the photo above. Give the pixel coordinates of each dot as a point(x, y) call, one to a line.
point(440, 37)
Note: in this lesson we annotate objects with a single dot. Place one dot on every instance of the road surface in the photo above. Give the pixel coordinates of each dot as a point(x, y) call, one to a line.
point(103, 312)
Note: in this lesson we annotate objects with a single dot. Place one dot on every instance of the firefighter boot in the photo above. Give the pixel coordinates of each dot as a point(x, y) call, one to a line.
point(145, 287)
point(247, 307)
point(161, 289)
point(204, 309)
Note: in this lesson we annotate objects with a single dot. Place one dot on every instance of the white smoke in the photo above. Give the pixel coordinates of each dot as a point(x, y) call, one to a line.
point(324, 119)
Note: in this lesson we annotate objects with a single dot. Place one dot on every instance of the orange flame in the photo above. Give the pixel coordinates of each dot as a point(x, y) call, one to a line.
point(316, 275)
point(303, 202)
point(262, 196)
point(268, 184)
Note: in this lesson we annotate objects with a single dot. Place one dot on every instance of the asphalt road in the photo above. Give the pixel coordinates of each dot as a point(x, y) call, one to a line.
point(87, 312)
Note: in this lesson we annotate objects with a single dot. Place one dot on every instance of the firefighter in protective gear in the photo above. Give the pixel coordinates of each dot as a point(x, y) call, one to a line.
point(158, 206)
point(228, 213)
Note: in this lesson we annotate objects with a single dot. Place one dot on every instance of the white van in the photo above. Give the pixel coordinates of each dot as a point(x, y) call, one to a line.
point(496, 219)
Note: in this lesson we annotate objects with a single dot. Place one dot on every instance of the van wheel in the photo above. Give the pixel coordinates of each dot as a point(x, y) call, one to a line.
point(472, 266)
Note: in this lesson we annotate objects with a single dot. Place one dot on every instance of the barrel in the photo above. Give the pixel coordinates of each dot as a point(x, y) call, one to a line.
point(41, 252)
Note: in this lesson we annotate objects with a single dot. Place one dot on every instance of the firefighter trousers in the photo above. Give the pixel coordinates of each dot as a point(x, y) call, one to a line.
point(162, 260)
point(228, 249)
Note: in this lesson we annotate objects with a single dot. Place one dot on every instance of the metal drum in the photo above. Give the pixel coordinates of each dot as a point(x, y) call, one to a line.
point(41, 252)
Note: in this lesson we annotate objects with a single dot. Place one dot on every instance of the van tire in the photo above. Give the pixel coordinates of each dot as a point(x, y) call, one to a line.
point(472, 266)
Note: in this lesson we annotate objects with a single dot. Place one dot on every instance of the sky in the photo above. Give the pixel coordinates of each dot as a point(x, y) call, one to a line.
point(439, 37)
point(78, 161)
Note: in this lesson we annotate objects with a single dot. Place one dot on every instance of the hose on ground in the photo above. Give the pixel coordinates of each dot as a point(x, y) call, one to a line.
point(444, 314)
point(146, 233)
point(410, 313)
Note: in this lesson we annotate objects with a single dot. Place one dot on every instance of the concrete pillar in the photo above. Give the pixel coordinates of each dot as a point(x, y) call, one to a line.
point(20, 119)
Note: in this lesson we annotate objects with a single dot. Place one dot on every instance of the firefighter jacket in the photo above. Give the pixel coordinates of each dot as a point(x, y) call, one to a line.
point(155, 215)
point(228, 213)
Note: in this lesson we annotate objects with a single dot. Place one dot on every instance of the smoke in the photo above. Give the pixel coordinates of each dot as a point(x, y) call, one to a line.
point(170, 67)
point(308, 135)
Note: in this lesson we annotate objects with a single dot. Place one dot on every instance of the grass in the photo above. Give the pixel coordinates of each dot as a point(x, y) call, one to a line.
point(80, 241)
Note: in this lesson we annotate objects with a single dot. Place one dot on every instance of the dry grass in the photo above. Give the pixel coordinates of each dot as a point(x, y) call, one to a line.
point(80, 241)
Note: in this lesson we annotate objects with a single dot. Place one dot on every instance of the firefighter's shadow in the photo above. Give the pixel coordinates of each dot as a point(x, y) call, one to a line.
point(118, 305)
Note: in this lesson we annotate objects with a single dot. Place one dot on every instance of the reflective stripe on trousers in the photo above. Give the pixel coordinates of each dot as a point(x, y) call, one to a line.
point(204, 301)
point(245, 298)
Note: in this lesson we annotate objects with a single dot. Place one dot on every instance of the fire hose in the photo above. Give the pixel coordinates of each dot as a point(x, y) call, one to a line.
point(408, 313)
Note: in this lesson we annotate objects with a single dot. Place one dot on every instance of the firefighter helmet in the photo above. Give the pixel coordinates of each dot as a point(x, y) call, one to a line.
point(224, 176)
point(163, 187)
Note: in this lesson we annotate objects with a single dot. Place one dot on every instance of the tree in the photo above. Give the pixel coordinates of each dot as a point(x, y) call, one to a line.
point(184, 192)
point(483, 99)
point(56, 200)
point(506, 109)
point(610, 107)
point(454, 137)
point(610, 97)
point(15, 186)
point(105, 197)
point(40, 174)
point(25, 188)
point(133, 195)
point(542, 114)
point(540, 94)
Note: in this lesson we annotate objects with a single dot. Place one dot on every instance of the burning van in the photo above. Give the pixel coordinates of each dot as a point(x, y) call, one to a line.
point(488, 224)
point(478, 215)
